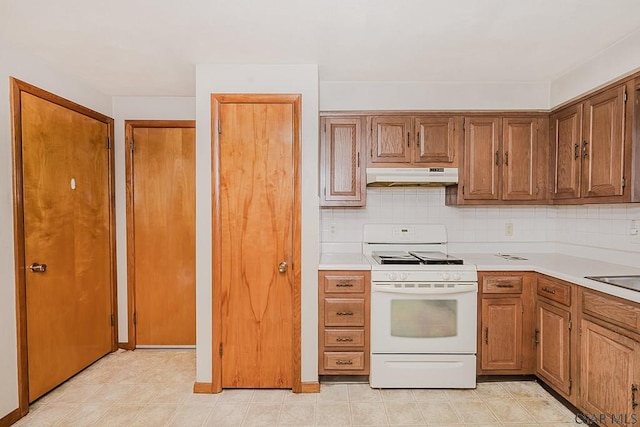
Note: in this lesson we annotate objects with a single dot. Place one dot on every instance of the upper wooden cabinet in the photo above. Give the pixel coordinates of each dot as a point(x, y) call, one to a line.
point(342, 178)
point(590, 154)
point(408, 140)
point(503, 161)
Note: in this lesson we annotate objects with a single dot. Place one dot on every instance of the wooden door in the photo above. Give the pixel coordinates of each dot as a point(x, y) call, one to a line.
point(435, 141)
point(566, 134)
point(603, 149)
point(66, 184)
point(519, 146)
point(161, 234)
point(342, 174)
point(501, 334)
point(256, 241)
point(482, 158)
point(604, 390)
point(553, 346)
point(390, 139)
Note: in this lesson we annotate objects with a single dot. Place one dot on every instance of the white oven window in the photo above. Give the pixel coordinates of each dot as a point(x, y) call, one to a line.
point(417, 318)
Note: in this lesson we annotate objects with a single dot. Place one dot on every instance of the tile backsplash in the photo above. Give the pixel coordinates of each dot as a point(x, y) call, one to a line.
point(601, 226)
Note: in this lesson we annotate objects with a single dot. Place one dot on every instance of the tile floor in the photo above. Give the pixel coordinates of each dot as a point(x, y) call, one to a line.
point(154, 388)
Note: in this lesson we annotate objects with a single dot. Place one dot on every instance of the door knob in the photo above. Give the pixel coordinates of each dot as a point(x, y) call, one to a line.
point(38, 268)
point(282, 267)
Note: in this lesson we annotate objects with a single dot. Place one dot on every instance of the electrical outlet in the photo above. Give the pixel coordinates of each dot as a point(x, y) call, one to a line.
point(508, 229)
point(332, 228)
point(634, 231)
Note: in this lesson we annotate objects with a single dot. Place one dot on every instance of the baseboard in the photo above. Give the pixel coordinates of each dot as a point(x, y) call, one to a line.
point(203, 388)
point(10, 418)
point(313, 387)
point(126, 346)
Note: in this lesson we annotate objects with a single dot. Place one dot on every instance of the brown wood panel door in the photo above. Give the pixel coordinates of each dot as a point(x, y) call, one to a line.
point(342, 174)
point(390, 139)
point(435, 140)
point(519, 146)
point(604, 390)
point(603, 148)
point(482, 158)
point(566, 134)
point(66, 199)
point(256, 260)
point(162, 233)
point(553, 346)
point(501, 334)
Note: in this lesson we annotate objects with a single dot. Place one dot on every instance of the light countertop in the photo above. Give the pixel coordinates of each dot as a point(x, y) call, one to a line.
point(564, 267)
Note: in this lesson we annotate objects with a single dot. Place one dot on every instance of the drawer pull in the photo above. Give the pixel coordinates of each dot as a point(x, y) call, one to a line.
point(344, 362)
point(549, 291)
point(344, 285)
point(504, 285)
point(344, 339)
point(345, 313)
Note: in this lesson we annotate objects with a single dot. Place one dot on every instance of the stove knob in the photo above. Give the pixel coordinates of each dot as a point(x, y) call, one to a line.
point(456, 276)
point(392, 276)
point(403, 276)
point(445, 276)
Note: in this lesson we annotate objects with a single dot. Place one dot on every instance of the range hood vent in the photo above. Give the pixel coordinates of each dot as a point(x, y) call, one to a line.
point(411, 177)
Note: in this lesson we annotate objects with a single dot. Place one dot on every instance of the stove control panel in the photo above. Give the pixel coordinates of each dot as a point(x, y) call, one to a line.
point(424, 276)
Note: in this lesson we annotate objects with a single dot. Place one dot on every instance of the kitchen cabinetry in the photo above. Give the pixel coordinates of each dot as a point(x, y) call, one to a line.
point(554, 334)
point(407, 140)
point(504, 161)
point(505, 333)
point(342, 172)
point(588, 148)
point(343, 324)
point(610, 355)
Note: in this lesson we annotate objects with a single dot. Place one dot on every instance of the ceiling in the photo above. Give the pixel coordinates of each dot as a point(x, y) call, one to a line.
point(150, 47)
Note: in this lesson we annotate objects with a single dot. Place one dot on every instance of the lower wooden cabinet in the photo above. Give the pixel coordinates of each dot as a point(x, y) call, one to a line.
point(343, 322)
point(505, 333)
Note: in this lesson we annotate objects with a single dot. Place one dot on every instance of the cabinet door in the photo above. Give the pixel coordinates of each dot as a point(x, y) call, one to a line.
point(553, 346)
point(481, 158)
point(519, 146)
point(566, 134)
point(501, 333)
point(603, 147)
point(435, 141)
point(342, 178)
point(609, 372)
point(390, 139)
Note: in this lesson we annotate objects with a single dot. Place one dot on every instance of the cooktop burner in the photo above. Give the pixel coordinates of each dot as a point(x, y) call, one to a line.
point(414, 257)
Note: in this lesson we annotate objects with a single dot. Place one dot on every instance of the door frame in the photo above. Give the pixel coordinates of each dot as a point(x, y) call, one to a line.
point(216, 101)
point(17, 87)
point(129, 128)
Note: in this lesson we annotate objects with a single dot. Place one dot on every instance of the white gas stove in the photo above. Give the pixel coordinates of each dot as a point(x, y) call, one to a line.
point(423, 309)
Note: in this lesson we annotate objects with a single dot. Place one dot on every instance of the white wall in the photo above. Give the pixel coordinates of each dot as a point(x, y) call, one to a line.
point(618, 60)
point(38, 73)
point(335, 96)
point(136, 108)
point(301, 79)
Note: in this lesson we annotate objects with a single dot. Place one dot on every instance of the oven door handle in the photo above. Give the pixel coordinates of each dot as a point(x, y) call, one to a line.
point(426, 291)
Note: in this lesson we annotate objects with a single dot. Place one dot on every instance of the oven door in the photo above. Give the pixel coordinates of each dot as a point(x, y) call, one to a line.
point(414, 318)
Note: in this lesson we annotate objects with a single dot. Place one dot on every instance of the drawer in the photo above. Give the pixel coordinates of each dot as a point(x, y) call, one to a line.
point(335, 283)
point(344, 311)
point(502, 284)
point(343, 360)
point(344, 337)
point(612, 310)
point(554, 290)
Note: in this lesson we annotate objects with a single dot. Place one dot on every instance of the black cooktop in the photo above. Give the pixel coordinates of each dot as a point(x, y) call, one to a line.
point(414, 258)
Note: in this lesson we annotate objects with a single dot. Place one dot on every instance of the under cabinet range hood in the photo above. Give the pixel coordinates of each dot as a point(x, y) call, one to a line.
point(411, 177)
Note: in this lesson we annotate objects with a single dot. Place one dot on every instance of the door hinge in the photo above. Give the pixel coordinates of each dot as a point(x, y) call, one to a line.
point(371, 152)
point(623, 182)
point(624, 96)
point(131, 145)
point(135, 318)
point(570, 324)
point(219, 127)
point(113, 320)
point(220, 350)
point(108, 143)
point(570, 383)
point(463, 190)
